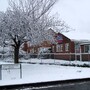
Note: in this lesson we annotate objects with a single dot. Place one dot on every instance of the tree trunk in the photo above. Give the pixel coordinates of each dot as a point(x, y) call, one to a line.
point(16, 54)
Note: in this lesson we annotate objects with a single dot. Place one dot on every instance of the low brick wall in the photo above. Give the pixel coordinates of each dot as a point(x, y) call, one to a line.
point(72, 56)
point(66, 56)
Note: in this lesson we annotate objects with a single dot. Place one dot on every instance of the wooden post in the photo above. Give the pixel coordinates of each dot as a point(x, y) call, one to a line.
point(20, 71)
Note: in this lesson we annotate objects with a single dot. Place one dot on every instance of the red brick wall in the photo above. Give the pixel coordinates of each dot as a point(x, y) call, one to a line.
point(82, 48)
point(66, 56)
point(71, 45)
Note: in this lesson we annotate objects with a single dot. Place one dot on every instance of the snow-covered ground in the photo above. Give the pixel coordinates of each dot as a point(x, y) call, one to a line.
point(32, 73)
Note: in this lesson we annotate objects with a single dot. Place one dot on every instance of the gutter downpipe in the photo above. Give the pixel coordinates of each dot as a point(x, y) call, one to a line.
point(80, 54)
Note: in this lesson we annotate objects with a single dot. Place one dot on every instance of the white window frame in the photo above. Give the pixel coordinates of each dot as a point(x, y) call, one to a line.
point(87, 51)
point(59, 47)
point(66, 46)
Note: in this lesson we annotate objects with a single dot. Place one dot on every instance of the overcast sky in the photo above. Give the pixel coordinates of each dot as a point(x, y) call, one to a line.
point(76, 13)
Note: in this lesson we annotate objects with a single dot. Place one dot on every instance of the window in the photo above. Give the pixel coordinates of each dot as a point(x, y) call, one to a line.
point(77, 48)
point(52, 48)
point(32, 50)
point(86, 48)
point(59, 48)
point(67, 47)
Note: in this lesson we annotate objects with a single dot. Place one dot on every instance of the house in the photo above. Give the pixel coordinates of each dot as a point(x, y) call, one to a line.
point(72, 45)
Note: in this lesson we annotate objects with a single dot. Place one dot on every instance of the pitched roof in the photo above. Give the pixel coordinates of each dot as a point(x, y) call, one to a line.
point(78, 36)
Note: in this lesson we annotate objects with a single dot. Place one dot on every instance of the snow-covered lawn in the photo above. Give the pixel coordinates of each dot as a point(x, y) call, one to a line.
point(32, 73)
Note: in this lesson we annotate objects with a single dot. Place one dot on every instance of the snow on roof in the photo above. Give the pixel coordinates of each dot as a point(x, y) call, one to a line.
point(78, 36)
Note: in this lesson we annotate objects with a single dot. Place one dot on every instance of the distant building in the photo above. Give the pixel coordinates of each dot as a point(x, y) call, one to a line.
point(36, 48)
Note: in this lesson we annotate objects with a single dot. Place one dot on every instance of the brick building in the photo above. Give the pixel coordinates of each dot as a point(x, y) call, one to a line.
point(69, 46)
point(72, 46)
